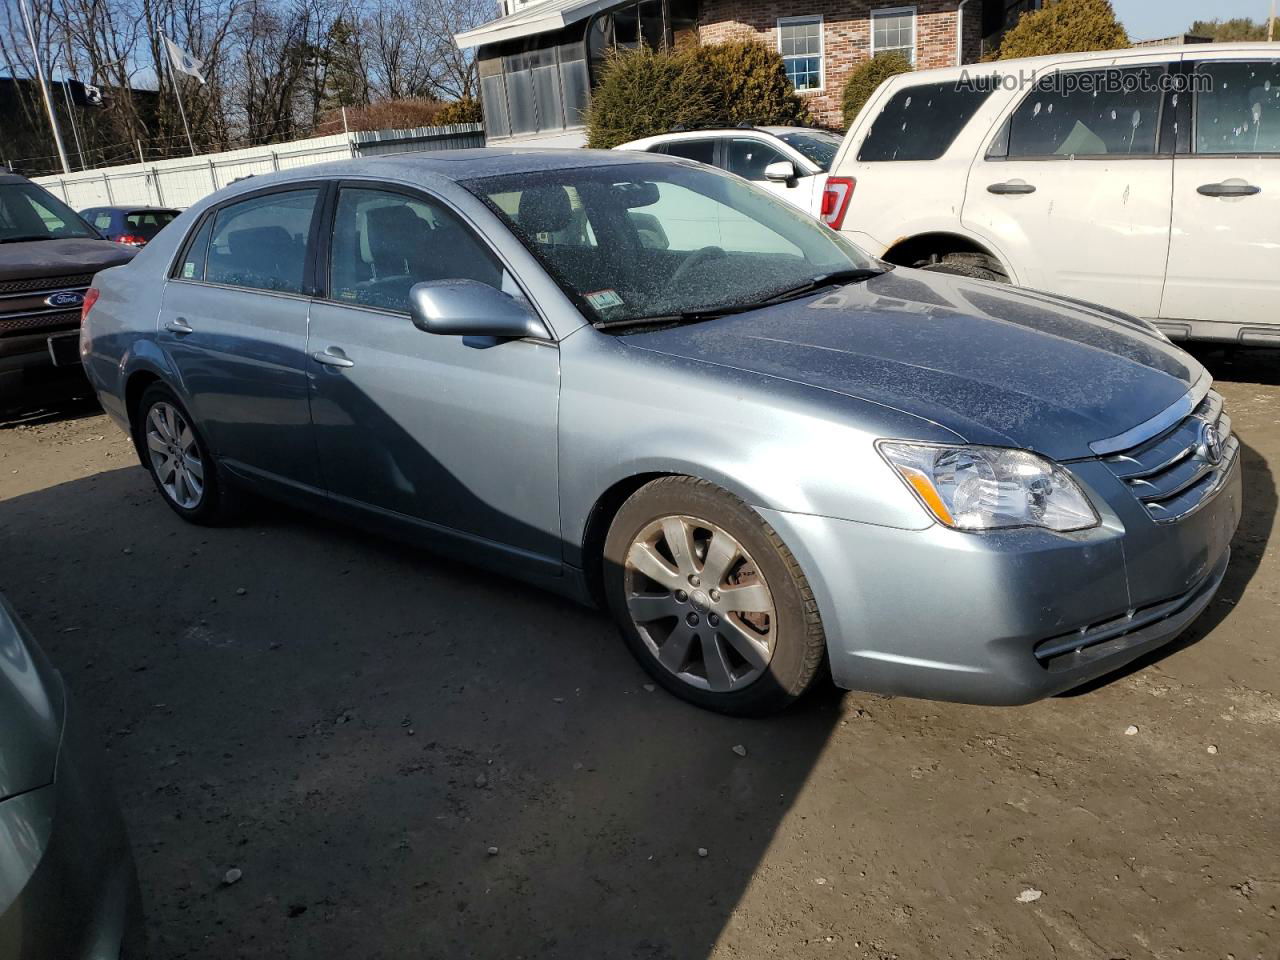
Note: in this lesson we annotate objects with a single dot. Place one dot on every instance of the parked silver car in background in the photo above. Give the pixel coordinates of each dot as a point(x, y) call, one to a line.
point(644, 380)
point(68, 890)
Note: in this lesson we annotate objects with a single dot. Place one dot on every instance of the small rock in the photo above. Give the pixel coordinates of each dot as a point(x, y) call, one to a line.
point(241, 591)
point(1131, 731)
point(481, 780)
point(649, 688)
point(232, 876)
point(493, 851)
point(1213, 749)
point(740, 750)
point(820, 881)
point(1029, 895)
point(703, 852)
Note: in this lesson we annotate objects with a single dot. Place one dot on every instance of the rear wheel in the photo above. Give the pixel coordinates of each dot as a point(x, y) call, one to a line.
point(179, 460)
point(710, 600)
point(974, 265)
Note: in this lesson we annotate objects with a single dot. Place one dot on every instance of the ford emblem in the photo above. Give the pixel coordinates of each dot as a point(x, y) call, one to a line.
point(64, 298)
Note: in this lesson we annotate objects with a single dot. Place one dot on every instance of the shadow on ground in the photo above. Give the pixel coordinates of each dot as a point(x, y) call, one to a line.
point(354, 725)
point(45, 395)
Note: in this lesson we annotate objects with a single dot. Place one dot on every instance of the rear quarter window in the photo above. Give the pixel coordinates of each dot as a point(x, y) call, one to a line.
point(920, 122)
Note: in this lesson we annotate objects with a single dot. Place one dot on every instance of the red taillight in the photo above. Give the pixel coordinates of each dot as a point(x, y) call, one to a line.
point(131, 240)
point(835, 200)
point(90, 298)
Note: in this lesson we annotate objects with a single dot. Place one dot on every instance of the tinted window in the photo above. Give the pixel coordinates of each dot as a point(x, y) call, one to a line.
point(384, 243)
point(920, 123)
point(817, 146)
point(262, 242)
point(102, 220)
point(1240, 113)
point(748, 158)
point(704, 151)
point(191, 266)
point(1090, 114)
point(147, 223)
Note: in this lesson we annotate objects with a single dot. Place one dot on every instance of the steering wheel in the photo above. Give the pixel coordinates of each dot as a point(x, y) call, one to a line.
point(696, 259)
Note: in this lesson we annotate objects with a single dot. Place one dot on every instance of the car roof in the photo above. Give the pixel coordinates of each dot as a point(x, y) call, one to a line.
point(1015, 67)
point(8, 177)
point(132, 208)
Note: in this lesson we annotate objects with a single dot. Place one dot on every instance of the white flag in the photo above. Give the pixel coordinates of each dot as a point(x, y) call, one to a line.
point(184, 62)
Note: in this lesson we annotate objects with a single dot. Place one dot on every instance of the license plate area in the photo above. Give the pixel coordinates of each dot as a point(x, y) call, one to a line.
point(64, 349)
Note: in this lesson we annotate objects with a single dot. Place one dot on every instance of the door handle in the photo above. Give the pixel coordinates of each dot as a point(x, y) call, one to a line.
point(331, 359)
point(179, 326)
point(1011, 188)
point(1229, 188)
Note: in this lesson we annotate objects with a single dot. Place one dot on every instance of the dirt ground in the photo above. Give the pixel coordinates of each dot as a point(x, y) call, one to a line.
point(353, 725)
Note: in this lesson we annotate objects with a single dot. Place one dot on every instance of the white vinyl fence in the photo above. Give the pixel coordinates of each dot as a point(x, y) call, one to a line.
point(182, 181)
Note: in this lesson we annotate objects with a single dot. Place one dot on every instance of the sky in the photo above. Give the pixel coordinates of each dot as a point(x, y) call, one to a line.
point(1151, 19)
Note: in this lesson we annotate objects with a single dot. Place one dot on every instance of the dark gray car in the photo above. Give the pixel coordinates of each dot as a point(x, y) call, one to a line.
point(647, 382)
point(68, 890)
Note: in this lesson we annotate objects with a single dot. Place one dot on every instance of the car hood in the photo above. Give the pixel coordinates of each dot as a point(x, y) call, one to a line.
point(60, 258)
point(992, 363)
point(31, 702)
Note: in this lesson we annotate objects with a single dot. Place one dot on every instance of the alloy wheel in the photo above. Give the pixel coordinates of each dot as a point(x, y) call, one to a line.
point(175, 455)
point(700, 603)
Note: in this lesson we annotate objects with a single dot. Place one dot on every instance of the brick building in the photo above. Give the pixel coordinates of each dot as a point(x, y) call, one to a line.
point(539, 59)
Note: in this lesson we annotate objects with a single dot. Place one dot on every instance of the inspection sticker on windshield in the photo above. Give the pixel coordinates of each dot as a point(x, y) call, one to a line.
point(604, 299)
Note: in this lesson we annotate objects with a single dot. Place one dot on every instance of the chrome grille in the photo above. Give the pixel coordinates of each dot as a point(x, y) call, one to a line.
point(45, 283)
point(1174, 473)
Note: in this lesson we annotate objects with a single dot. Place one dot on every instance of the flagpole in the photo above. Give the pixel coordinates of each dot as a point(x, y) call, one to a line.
point(173, 77)
point(66, 95)
point(44, 87)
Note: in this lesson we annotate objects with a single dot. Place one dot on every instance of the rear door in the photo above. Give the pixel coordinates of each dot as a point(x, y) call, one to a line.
point(456, 432)
point(1223, 263)
point(1077, 188)
point(233, 320)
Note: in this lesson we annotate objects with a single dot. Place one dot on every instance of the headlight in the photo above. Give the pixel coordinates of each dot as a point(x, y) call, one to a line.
point(991, 488)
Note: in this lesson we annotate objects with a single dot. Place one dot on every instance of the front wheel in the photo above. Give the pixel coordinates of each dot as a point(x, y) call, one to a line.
point(710, 600)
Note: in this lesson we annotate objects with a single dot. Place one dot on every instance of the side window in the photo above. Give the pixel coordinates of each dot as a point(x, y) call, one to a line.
point(1239, 108)
point(384, 243)
point(1090, 114)
point(51, 220)
point(191, 266)
point(921, 122)
point(102, 220)
point(704, 151)
point(261, 243)
point(748, 158)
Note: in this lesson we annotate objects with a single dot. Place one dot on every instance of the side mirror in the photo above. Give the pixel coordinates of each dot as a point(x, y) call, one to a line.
point(781, 171)
point(469, 308)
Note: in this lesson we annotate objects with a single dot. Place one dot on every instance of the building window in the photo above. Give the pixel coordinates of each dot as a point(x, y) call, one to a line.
point(800, 43)
point(894, 31)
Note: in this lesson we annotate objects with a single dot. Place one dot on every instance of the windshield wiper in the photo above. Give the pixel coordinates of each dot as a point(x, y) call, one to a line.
point(714, 313)
point(24, 239)
point(853, 275)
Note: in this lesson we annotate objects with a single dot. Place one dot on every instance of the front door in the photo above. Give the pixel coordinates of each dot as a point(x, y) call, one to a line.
point(749, 156)
point(1075, 190)
point(457, 433)
point(1223, 262)
point(233, 320)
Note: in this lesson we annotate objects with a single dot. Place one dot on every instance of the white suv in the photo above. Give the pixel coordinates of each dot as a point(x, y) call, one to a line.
point(1147, 180)
point(789, 161)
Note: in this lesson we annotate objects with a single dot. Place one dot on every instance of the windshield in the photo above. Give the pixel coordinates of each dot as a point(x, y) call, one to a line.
point(28, 212)
point(633, 241)
point(817, 146)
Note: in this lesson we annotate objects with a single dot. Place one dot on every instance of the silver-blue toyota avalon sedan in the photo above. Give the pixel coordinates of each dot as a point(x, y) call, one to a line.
point(639, 380)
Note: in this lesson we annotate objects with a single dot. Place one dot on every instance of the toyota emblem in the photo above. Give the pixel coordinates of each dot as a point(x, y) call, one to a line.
point(1210, 444)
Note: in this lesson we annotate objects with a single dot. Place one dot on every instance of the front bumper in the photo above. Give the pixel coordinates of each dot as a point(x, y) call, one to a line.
point(68, 888)
point(1010, 618)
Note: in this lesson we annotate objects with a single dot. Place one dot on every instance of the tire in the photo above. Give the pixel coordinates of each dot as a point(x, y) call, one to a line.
point(198, 492)
point(747, 660)
point(972, 265)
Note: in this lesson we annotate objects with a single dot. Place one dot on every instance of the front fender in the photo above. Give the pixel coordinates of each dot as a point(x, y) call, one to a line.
point(777, 445)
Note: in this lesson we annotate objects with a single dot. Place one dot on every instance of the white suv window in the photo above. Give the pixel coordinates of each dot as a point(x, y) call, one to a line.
point(1090, 114)
point(1240, 111)
point(921, 122)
